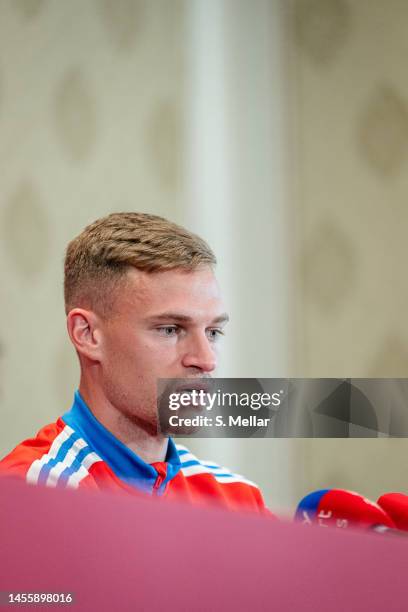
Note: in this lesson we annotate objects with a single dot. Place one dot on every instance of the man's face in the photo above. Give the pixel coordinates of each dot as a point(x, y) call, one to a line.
point(164, 325)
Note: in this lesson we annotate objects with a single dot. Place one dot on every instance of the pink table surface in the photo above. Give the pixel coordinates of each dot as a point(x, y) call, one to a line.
point(117, 553)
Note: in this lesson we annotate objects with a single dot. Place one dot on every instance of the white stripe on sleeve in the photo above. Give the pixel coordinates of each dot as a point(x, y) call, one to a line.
point(35, 468)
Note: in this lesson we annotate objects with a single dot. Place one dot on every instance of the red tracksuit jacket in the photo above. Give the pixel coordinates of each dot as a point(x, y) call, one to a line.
point(78, 451)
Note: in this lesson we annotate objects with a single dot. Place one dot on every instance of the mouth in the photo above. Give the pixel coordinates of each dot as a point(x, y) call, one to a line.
point(190, 386)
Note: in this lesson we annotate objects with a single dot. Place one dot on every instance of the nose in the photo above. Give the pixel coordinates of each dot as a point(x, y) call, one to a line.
point(200, 354)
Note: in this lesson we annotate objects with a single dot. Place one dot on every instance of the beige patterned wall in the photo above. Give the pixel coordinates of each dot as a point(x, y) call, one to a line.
point(349, 86)
point(91, 106)
point(92, 120)
point(352, 139)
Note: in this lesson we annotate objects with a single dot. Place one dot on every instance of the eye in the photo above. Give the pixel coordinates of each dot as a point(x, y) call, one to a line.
point(214, 334)
point(168, 330)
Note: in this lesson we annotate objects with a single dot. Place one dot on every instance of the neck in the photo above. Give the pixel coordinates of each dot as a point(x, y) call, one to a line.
point(149, 447)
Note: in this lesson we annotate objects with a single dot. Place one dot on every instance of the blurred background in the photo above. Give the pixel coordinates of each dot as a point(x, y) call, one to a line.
point(276, 129)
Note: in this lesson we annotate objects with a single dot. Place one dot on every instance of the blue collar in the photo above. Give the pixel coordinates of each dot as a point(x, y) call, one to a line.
point(124, 462)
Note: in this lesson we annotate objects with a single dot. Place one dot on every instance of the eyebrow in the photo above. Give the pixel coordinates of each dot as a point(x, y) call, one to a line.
point(175, 316)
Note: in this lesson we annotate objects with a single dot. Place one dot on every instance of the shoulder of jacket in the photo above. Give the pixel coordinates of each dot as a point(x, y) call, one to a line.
point(57, 456)
point(192, 466)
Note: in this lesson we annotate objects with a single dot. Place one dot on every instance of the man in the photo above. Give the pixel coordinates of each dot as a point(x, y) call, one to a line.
point(142, 303)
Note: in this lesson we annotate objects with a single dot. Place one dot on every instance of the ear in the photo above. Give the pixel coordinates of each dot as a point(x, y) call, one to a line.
point(84, 330)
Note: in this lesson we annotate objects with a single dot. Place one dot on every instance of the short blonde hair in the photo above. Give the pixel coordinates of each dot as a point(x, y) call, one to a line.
point(97, 260)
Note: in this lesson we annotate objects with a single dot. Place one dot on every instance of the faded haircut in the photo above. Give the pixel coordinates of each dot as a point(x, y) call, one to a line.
point(97, 260)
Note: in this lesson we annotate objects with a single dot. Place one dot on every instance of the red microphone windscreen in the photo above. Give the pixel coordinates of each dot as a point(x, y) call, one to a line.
point(396, 505)
point(343, 508)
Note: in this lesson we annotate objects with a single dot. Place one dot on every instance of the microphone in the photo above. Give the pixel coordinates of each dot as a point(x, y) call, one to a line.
point(396, 506)
point(342, 509)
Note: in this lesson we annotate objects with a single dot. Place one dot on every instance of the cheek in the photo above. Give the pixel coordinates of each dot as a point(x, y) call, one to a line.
point(120, 348)
point(141, 354)
point(157, 353)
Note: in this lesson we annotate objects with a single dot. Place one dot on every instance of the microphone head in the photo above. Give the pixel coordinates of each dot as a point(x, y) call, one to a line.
point(341, 509)
point(396, 505)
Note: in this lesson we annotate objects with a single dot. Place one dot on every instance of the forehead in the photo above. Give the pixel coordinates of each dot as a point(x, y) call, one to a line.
point(190, 292)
